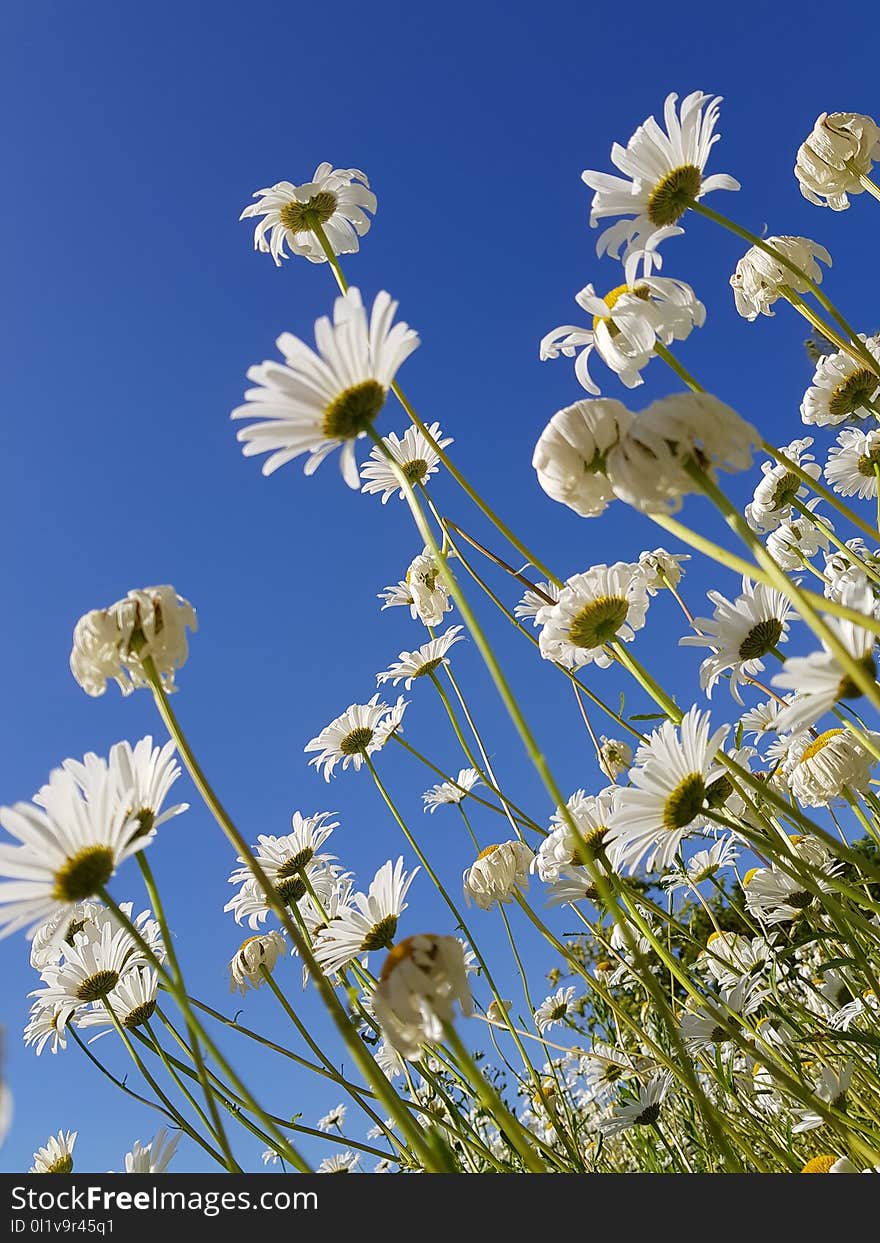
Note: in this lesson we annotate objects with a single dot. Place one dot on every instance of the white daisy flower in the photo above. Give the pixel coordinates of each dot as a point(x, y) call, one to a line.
point(423, 661)
point(368, 922)
point(775, 897)
point(799, 539)
point(44, 1026)
point(760, 279)
point(627, 324)
point(662, 569)
point(740, 633)
point(91, 970)
point(334, 1118)
point(56, 1156)
point(644, 1110)
point(731, 958)
point(615, 756)
point(133, 1001)
point(561, 849)
point(154, 1157)
point(49, 938)
point(703, 865)
point(450, 791)
point(256, 952)
point(553, 1009)
point(143, 776)
point(285, 861)
point(852, 466)
point(819, 771)
point(70, 848)
point(413, 452)
point(831, 1086)
point(389, 1060)
point(761, 719)
point(603, 603)
point(361, 730)
point(573, 884)
point(497, 873)
point(336, 199)
point(423, 591)
point(269, 1156)
point(700, 1029)
point(570, 455)
point(339, 1163)
point(818, 679)
point(663, 171)
point(603, 1068)
point(843, 387)
point(422, 979)
point(674, 768)
point(779, 487)
point(841, 147)
point(314, 402)
point(533, 601)
point(115, 641)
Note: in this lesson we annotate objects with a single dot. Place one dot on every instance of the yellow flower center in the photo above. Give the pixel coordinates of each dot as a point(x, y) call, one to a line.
point(613, 297)
point(819, 1165)
point(84, 874)
point(818, 743)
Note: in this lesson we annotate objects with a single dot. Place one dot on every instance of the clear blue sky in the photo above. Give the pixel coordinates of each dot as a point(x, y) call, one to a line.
point(134, 304)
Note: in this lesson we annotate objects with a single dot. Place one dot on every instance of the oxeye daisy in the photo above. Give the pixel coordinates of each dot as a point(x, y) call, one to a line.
point(263, 950)
point(91, 970)
point(704, 865)
point(424, 591)
point(56, 1156)
point(628, 323)
point(44, 1026)
point(142, 775)
point(563, 847)
point(317, 401)
point(572, 884)
point(451, 791)
point(760, 279)
point(154, 1157)
point(340, 1163)
point(796, 541)
point(553, 1009)
point(334, 1118)
point(643, 1110)
point(69, 849)
point(662, 569)
point(830, 1086)
point(841, 148)
point(570, 455)
point(835, 764)
point(663, 171)
point(604, 604)
point(740, 634)
point(336, 199)
point(368, 921)
point(133, 1000)
point(286, 860)
point(360, 731)
point(762, 718)
point(818, 680)
point(854, 462)
point(843, 387)
point(423, 978)
point(114, 642)
point(423, 661)
point(674, 768)
point(780, 487)
point(413, 452)
point(615, 756)
point(497, 874)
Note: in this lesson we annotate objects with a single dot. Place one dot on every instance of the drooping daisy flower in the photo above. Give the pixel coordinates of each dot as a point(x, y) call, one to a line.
point(644, 1110)
point(821, 770)
point(841, 147)
point(818, 679)
point(56, 1156)
point(760, 279)
point(779, 487)
point(450, 792)
point(339, 1163)
point(334, 1118)
point(43, 1026)
point(257, 952)
point(830, 1086)
point(663, 171)
point(422, 979)
point(627, 324)
point(424, 591)
point(413, 452)
point(368, 922)
point(674, 768)
point(285, 861)
point(570, 455)
point(853, 463)
point(314, 402)
point(70, 848)
point(423, 661)
point(497, 873)
point(361, 730)
point(553, 1009)
point(154, 1157)
point(114, 642)
point(563, 848)
point(615, 756)
point(604, 603)
point(336, 199)
point(842, 387)
point(740, 633)
point(797, 540)
point(662, 569)
point(133, 1000)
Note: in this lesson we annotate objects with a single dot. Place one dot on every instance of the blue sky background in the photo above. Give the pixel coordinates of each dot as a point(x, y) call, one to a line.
point(134, 304)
